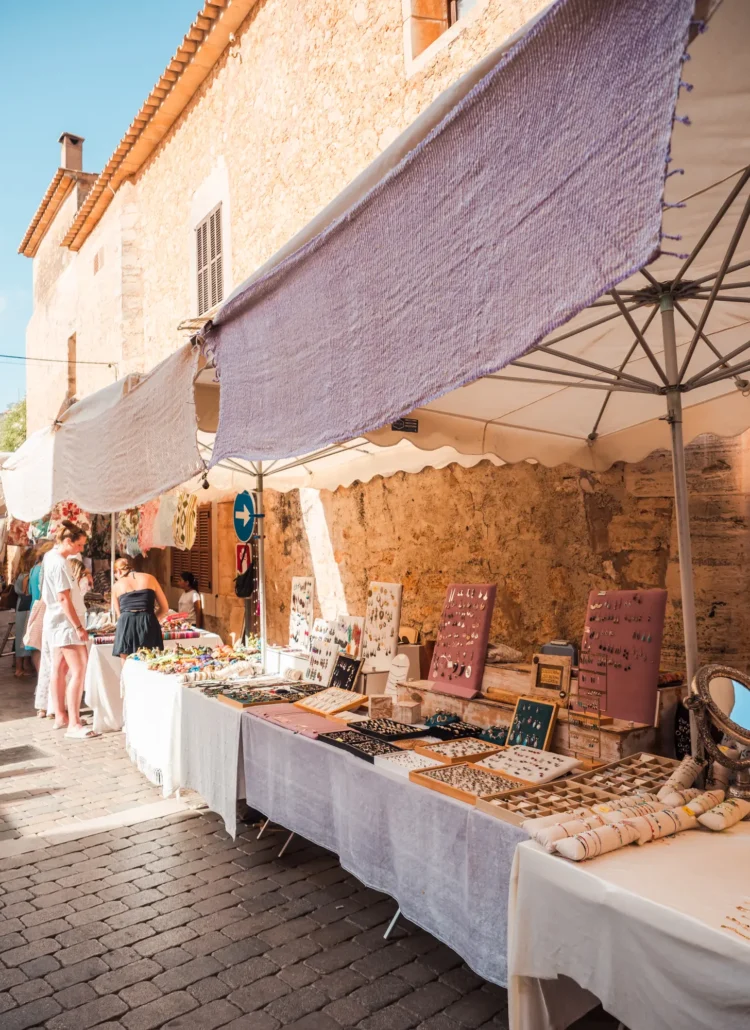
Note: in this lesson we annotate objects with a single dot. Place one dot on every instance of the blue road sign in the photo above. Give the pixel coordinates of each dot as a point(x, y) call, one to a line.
point(244, 516)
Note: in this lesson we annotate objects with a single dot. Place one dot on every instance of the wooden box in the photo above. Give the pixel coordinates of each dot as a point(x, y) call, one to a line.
point(380, 706)
point(641, 772)
point(462, 781)
point(533, 802)
point(407, 711)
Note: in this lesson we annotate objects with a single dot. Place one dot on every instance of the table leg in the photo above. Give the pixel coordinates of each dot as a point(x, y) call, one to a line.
point(287, 842)
point(262, 830)
point(392, 924)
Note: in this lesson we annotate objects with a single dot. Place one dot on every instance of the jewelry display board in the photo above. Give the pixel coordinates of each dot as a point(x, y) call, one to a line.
point(359, 744)
point(301, 612)
point(462, 782)
point(330, 701)
point(347, 635)
point(244, 697)
point(457, 665)
point(403, 762)
point(389, 729)
point(620, 652)
point(323, 654)
point(529, 764)
point(382, 617)
point(585, 727)
point(453, 752)
point(517, 805)
point(636, 774)
point(346, 673)
point(533, 722)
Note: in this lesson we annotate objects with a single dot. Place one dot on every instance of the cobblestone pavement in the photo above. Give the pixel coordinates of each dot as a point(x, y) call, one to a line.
point(50, 783)
point(171, 923)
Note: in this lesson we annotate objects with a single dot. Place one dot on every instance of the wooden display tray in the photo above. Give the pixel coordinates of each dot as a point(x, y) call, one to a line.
point(429, 780)
point(639, 772)
point(539, 799)
point(429, 750)
point(405, 733)
point(234, 703)
point(412, 743)
point(345, 706)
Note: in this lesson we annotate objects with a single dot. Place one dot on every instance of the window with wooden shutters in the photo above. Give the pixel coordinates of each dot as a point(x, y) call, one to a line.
point(199, 559)
point(210, 263)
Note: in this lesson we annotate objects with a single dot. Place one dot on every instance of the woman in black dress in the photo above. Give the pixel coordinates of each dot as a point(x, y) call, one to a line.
point(135, 598)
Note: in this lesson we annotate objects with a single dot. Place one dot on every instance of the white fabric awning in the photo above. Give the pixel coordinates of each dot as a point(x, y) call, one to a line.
point(115, 449)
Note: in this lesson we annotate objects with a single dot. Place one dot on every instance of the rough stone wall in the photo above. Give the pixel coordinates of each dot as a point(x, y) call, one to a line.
point(545, 536)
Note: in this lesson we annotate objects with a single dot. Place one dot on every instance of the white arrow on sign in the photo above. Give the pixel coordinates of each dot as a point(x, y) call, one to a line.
point(245, 515)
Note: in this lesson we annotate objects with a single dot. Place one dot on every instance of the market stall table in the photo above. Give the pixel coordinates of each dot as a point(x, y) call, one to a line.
point(101, 691)
point(181, 739)
point(446, 864)
point(638, 930)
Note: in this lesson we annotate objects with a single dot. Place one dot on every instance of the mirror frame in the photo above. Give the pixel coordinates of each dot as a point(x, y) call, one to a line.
point(706, 711)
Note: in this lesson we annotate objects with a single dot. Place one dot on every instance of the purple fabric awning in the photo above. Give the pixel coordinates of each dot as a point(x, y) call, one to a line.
point(539, 190)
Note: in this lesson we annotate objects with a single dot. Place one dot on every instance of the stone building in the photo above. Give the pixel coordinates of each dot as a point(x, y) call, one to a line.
point(267, 110)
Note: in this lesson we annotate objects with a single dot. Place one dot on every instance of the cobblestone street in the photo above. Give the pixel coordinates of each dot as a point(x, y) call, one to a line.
point(168, 922)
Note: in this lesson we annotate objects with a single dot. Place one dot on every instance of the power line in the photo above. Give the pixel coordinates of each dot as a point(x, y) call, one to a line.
point(60, 361)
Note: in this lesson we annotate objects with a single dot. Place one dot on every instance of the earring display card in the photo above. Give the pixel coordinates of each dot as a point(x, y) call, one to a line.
point(457, 666)
point(346, 673)
point(301, 613)
point(347, 635)
point(621, 650)
point(533, 722)
point(323, 654)
point(382, 618)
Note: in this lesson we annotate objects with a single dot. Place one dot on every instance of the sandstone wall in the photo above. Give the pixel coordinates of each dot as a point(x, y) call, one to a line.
point(545, 536)
point(307, 96)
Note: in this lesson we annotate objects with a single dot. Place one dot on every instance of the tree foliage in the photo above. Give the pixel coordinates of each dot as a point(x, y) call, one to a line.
point(13, 426)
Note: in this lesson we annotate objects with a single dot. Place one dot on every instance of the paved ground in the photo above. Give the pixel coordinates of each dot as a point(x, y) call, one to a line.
point(170, 923)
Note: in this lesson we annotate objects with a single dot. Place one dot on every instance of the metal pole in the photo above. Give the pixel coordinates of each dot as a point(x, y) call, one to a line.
point(261, 564)
point(112, 546)
point(682, 509)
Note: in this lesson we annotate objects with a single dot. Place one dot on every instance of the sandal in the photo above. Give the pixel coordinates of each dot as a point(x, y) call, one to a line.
point(82, 733)
point(60, 725)
point(41, 714)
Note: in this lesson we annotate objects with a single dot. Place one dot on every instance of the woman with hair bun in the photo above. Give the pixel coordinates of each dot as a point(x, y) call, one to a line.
point(135, 597)
point(64, 632)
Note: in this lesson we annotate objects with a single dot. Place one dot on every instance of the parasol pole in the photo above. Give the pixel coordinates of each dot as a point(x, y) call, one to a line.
point(261, 563)
point(682, 509)
point(112, 546)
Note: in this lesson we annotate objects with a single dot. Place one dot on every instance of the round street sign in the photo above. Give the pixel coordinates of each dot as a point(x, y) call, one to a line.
point(244, 516)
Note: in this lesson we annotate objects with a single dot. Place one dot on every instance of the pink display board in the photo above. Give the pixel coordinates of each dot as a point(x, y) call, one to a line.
point(457, 666)
point(618, 672)
point(296, 720)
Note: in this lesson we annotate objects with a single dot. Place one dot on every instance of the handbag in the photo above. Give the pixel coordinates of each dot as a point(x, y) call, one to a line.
point(33, 635)
point(245, 582)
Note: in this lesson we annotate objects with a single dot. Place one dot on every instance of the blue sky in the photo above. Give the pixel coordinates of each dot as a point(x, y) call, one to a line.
point(84, 68)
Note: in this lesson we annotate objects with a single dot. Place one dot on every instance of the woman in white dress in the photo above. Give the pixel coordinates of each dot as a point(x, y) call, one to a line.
point(65, 632)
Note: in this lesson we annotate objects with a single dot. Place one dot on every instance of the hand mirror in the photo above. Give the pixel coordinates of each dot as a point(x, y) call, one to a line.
point(721, 696)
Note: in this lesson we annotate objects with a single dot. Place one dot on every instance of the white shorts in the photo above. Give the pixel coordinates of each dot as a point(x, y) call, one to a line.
point(59, 632)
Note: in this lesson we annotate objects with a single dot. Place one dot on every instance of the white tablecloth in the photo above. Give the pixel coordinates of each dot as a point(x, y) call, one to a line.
point(446, 864)
point(181, 739)
point(638, 930)
point(101, 689)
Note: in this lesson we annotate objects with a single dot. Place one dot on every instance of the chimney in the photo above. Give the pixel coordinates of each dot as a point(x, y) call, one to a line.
point(71, 152)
